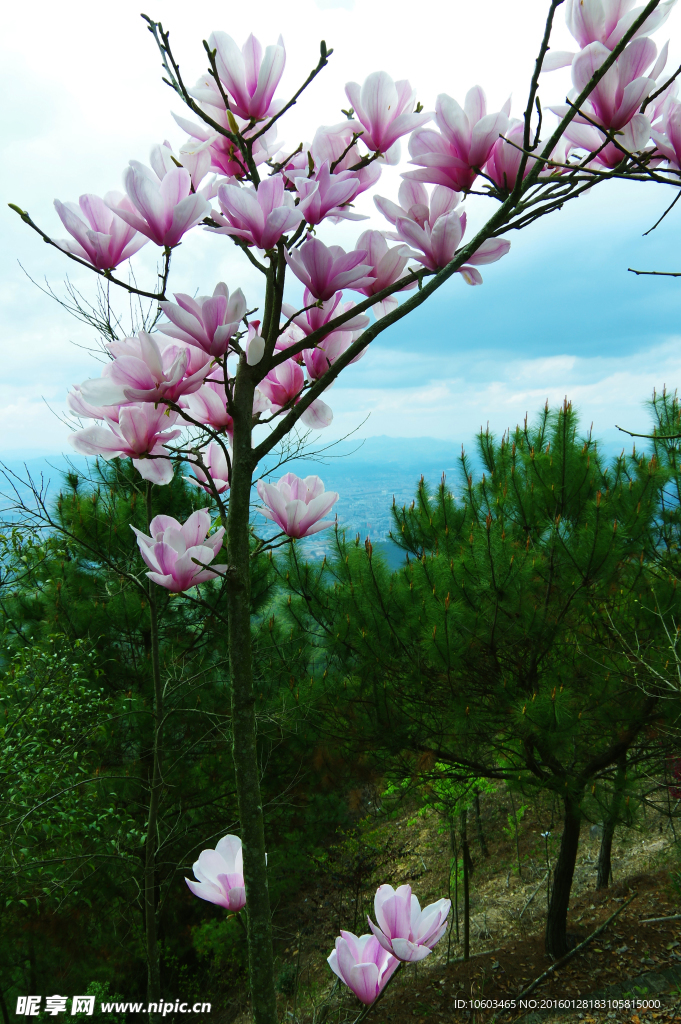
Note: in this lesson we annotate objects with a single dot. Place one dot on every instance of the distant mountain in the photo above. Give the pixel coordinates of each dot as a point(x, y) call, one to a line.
point(46, 472)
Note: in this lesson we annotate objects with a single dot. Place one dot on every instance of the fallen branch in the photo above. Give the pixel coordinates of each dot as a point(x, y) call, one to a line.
point(532, 896)
point(654, 920)
point(568, 956)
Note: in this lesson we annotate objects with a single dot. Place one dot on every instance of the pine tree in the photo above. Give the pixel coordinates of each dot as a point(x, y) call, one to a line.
point(492, 650)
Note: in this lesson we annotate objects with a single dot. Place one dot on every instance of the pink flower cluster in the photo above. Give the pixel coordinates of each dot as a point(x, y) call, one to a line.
point(617, 104)
point(168, 394)
point(435, 227)
point(404, 933)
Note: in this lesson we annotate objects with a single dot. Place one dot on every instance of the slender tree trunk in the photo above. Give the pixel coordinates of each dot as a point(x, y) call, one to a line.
point(260, 956)
point(478, 823)
point(151, 842)
point(556, 919)
point(33, 974)
point(466, 886)
point(3, 1007)
point(610, 820)
point(515, 830)
point(455, 856)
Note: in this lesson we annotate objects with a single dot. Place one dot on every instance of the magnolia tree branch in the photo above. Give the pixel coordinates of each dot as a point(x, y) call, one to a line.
point(176, 83)
point(534, 84)
point(324, 55)
point(498, 222)
point(159, 296)
point(590, 86)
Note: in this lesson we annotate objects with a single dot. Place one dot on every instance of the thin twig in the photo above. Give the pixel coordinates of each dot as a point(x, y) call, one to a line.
point(324, 55)
point(532, 896)
point(668, 210)
point(654, 95)
point(654, 273)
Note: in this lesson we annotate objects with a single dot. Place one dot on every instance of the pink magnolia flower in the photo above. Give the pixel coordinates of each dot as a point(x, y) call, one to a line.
point(384, 109)
point(437, 237)
point(621, 91)
point(389, 266)
point(284, 386)
point(333, 145)
point(172, 547)
point(603, 21)
point(318, 359)
point(405, 930)
point(100, 236)
point(164, 210)
point(142, 372)
point(362, 964)
point(288, 337)
point(326, 195)
point(667, 134)
point(320, 315)
point(84, 410)
point(220, 875)
point(504, 161)
point(208, 405)
point(137, 431)
point(615, 102)
point(297, 505)
point(326, 269)
point(413, 204)
point(196, 159)
point(453, 156)
point(225, 157)
point(325, 353)
point(254, 344)
point(260, 217)
point(248, 77)
point(215, 462)
point(208, 322)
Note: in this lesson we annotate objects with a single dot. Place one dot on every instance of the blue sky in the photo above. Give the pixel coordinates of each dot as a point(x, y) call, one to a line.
point(558, 316)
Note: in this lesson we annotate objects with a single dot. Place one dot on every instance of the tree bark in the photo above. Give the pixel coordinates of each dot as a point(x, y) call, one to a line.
point(3, 1007)
point(244, 745)
point(151, 842)
point(609, 822)
point(455, 854)
point(556, 919)
point(478, 823)
point(515, 830)
point(466, 886)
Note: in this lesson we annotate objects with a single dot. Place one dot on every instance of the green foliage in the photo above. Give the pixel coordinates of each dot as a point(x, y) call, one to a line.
point(493, 651)
point(514, 818)
point(76, 693)
point(100, 989)
point(55, 809)
point(220, 944)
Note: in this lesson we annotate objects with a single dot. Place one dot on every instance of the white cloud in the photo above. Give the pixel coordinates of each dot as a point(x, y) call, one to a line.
point(609, 392)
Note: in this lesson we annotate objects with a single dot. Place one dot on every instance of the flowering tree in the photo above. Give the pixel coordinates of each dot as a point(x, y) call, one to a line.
point(215, 389)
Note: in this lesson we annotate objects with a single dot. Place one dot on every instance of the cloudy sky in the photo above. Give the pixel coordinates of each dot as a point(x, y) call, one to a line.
point(558, 316)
